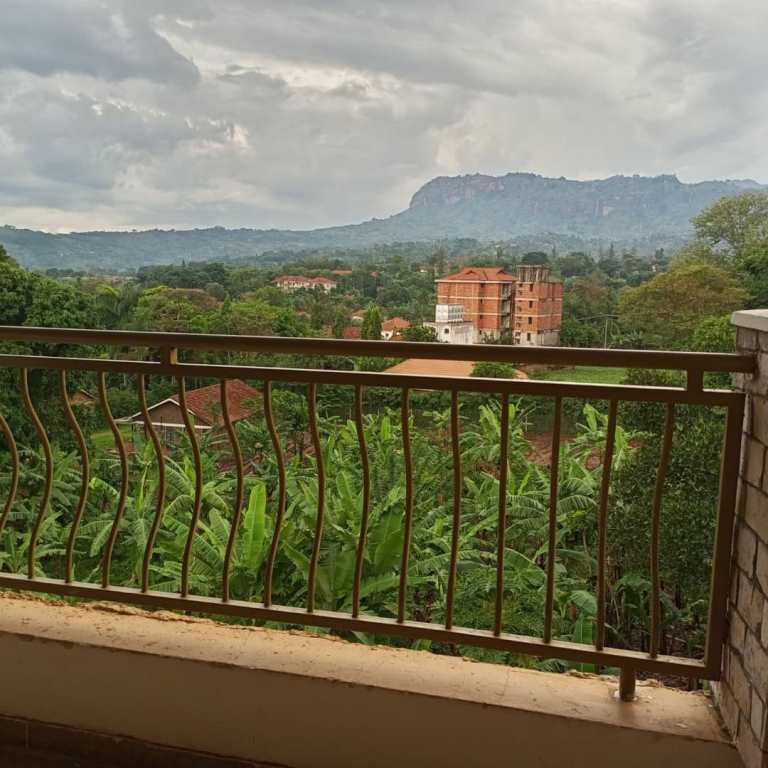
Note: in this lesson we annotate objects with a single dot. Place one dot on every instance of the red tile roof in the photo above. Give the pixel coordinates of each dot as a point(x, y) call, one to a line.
point(484, 274)
point(395, 324)
point(352, 332)
point(205, 403)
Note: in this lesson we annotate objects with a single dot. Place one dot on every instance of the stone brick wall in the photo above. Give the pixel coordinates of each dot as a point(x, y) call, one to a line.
point(742, 694)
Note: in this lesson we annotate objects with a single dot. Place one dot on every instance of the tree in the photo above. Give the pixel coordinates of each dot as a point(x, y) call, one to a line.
point(574, 333)
point(668, 308)
point(176, 309)
point(733, 232)
point(340, 320)
point(420, 333)
point(575, 264)
point(252, 318)
point(116, 305)
point(290, 325)
point(55, 305)
point(734, 223)
point(217, 290)
point(588, 296)
point(714, 334)
point(16, 288)
point(371, 323)
point(6, 258)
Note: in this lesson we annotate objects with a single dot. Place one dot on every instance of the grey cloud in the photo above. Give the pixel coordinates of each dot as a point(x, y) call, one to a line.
point(313, 113)
point(47, 37)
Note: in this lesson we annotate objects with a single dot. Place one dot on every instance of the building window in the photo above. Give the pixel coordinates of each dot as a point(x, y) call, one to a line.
point(447, 330)
point(530, 320)
point(530, 305)
point(528, 336)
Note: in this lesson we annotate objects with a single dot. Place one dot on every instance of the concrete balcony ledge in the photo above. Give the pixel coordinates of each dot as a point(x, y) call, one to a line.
point(299, 700)
point(754, 319)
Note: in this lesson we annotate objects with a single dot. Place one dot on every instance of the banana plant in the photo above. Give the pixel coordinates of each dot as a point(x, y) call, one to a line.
point(210, 547)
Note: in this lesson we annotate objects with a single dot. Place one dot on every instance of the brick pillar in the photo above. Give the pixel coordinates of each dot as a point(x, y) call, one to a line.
point(742, 694)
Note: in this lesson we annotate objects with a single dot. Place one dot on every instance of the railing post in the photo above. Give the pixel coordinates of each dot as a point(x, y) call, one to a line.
point(627, 681)
point(742, 692)
point(169, 355)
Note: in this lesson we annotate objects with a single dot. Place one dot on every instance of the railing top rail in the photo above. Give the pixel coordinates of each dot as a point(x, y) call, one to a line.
point(515, 387)
point(616, 358)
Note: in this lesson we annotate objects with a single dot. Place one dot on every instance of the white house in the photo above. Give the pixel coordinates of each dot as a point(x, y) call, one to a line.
point(450, 326)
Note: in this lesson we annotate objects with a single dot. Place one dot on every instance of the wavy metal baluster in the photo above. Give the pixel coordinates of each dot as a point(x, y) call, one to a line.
point(602, 523)
point(14, 472)
point(405, 413)
point(160, 504)
point(281, 492)
point(85, 475)
point(666, 449)
point(456, 527)
point(366, 512)
point(554, 474)
point(238, 456)
point(198, 462)
point(315, 559)
point(120, 445)
point(46, 497)
point(501, 534)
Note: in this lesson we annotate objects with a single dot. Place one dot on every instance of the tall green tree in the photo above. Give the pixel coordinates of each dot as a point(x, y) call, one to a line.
point(668, 308)
point(420, 332)
point(733, 232)
point(371, 323)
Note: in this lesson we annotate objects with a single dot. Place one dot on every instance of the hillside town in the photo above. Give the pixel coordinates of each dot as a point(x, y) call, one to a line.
point(473, 306)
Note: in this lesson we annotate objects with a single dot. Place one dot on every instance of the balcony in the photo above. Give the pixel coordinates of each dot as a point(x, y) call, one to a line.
point(156, 674)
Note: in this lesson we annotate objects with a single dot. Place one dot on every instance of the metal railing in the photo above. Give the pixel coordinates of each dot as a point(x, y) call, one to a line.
point(168, 364)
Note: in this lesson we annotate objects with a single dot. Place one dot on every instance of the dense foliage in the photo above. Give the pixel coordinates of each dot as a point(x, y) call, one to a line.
point(526, 529)
point(615, 297)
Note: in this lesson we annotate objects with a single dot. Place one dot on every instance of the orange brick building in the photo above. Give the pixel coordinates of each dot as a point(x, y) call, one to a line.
point(487, 294)
point(527, 307)
point(538, 310)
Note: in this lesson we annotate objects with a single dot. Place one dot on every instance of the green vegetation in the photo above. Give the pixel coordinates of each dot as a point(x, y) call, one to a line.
point(618, 299)
point(526, 532)
point(668, 309)
point(582, 374)
point(371, 323)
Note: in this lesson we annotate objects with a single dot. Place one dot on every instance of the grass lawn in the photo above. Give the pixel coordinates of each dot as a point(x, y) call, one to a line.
point(104, 441)
point(582, 374)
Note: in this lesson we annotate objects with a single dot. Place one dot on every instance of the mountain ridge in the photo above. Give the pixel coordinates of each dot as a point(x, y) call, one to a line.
point(641, 211)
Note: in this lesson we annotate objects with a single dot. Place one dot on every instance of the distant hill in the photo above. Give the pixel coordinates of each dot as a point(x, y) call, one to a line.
point(523, 208)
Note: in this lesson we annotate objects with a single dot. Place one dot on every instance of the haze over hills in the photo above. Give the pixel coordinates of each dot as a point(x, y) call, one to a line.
point(525, 209)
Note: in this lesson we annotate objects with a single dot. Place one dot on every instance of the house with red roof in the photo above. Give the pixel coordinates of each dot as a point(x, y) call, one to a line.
point(203, 406)
point(393, 328)
point(294, 282)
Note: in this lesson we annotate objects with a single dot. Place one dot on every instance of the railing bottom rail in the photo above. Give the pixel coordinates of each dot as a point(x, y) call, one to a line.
point(378, 625)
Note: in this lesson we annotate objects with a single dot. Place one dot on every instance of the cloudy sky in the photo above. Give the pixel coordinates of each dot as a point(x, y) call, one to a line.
point(306, 113)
